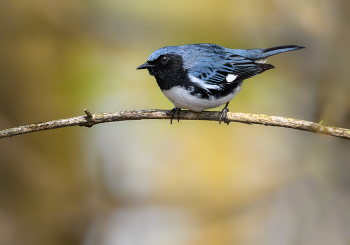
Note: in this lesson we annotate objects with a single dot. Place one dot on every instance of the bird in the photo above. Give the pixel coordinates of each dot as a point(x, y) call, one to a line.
point(203, 75)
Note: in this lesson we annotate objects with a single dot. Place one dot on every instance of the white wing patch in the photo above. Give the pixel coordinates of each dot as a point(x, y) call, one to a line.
point(261, 61)
point(231, 77)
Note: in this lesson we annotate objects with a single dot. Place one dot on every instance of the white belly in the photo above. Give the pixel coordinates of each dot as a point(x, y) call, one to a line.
point(182, 98)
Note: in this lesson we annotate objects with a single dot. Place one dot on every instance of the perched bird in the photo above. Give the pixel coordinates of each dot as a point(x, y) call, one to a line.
point(203, 76)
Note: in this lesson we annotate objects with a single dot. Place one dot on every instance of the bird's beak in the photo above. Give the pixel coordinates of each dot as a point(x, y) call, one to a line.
point(145, 66)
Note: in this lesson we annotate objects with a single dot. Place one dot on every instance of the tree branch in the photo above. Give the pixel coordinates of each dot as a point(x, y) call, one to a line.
point(91, 119)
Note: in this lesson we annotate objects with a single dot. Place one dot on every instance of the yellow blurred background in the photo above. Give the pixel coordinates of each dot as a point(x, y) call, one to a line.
point(149, 182)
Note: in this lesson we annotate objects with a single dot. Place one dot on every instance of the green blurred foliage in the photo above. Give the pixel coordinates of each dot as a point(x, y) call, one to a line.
point(236, 183)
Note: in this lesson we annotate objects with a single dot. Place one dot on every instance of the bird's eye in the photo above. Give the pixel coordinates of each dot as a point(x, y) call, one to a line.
point(165, 59)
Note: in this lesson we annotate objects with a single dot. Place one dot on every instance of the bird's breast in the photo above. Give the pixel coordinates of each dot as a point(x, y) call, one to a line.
point(185, 99)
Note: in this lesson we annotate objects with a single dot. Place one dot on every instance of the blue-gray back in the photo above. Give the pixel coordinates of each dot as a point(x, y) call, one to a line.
point(214, 60)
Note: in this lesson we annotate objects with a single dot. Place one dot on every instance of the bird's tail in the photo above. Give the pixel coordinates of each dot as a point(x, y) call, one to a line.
point(256, 54)
point(280, 49)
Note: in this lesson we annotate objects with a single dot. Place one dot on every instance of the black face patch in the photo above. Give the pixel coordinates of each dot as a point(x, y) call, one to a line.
point(169, 71)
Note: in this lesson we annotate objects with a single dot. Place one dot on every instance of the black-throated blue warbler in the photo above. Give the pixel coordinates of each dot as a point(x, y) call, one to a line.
point(203, 76)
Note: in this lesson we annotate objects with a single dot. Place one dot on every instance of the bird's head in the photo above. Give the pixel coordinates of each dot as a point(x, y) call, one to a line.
point(165, 63)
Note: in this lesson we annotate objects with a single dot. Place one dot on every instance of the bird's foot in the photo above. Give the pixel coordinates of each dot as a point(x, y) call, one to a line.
point(173, 112)
point(223, 116)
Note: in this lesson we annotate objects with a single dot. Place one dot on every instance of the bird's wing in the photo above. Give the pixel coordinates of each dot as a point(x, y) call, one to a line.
point(232, 69)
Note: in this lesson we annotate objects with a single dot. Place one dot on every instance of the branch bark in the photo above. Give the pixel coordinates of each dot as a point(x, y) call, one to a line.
point(91, 119)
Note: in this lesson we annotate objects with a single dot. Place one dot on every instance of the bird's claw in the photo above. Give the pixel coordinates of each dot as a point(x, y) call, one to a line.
point(174, 111)
point(223, 116)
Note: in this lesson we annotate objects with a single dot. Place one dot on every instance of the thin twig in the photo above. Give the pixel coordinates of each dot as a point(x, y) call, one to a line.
point(91, 119)
point(88, 114)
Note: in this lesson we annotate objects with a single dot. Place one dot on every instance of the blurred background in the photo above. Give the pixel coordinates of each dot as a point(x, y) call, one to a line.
point(193, 182)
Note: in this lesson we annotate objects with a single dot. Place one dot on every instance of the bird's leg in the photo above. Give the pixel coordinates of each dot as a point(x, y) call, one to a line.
point(173, 112)
point(224, 114)
point(178, 114)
